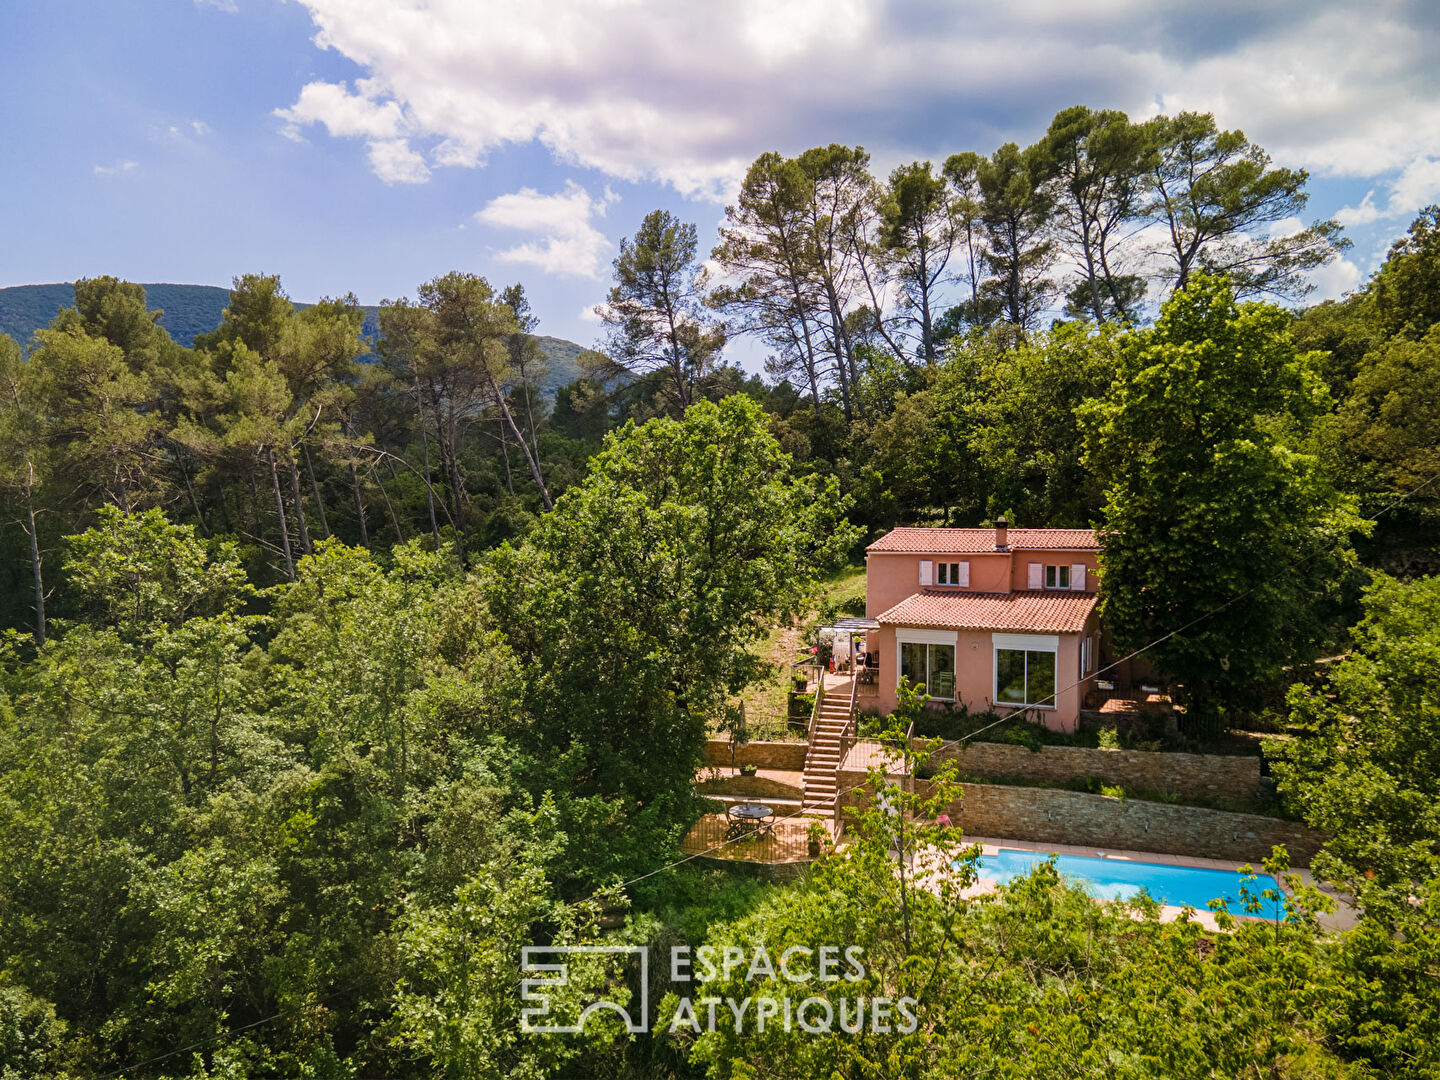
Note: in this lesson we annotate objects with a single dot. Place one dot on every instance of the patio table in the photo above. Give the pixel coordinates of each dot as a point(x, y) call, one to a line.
point(748, 819)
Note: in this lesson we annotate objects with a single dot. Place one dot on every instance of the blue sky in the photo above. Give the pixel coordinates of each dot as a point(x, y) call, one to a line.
point(368, 145)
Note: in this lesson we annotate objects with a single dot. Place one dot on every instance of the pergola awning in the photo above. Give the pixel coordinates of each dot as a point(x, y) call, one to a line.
point(852, 625)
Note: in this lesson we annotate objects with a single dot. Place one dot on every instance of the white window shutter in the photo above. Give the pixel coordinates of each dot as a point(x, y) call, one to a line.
point(926, 566)
point(1077, 576)
point(964, 578)
point(1037, 575)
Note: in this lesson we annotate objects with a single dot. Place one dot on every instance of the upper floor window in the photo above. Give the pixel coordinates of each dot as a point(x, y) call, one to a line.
point(1040, 576)
point(955, 573)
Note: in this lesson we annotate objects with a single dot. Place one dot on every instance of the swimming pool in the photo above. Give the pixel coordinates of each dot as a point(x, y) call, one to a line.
point(1121, 879)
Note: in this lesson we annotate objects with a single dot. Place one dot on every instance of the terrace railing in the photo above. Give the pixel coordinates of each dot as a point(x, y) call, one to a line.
point(815, 710)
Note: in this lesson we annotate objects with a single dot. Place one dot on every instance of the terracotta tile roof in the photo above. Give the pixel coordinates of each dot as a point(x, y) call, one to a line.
point(975, 541)
point(1053, 612)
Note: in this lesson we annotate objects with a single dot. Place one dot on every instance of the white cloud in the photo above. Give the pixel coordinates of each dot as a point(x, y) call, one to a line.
point(395, 163)
point(1334, 280)
point(199, 127)
point(566, 241)
point(1418, 185)
point(120, 168)
point(688, 94)
point(227, 6)
point(361, 114)
point(1365, 214)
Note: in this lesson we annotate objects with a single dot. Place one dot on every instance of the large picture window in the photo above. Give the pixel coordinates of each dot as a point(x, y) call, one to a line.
point(1025, 672)
point(931, 666)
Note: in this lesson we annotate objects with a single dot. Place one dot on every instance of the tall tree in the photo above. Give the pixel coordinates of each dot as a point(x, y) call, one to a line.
point(633, 609)
point(1019, 250)
point(655, 312)
point(527, 359)
point(1218, 201)
point(838, 195)
point(1021, 421)
point(919, 234)
point(22, 465)
point(1214, 511)
point(1391, 419)
point(771, 289)
point(1406, 288)
point(472, 326)
point(1100, 161)
point(98, 423)
point(962, 171)
point(1368, 770)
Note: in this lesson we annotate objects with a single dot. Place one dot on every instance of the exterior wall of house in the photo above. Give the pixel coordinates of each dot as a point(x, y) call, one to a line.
point(892, 577)
point(1020, 568)
point(975, 673)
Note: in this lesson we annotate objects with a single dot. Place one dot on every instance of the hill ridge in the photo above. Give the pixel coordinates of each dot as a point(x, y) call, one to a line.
point(190, 310)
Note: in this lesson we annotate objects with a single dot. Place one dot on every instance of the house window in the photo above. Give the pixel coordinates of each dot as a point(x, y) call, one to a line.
point(1025, 671)
point(932, 667)
point(1057, 577)
point(955, 573)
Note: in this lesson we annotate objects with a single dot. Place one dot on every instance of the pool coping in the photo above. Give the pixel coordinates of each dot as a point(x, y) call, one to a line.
point(1344, 917)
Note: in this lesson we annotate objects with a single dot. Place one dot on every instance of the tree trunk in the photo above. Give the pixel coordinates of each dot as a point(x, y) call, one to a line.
point(194, 502)
point(390, 507)
point(505, 456)
point(280, 510)
point(355, 486)
point(429, 489)
point(529, 457)
point(35, 564)
point(305, 546)
point(315, 487)
point(359, 506)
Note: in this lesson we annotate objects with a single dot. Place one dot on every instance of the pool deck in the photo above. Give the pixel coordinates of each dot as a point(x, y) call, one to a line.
point(1344, 917)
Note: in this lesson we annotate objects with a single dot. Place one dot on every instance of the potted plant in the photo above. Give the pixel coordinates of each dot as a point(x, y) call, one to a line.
point(749, 770)
point(815, 836)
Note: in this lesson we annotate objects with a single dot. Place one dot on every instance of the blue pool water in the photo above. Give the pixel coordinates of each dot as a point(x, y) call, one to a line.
point(1118, 879)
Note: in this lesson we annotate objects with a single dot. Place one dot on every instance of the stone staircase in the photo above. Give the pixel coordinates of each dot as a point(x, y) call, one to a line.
point(822, 760)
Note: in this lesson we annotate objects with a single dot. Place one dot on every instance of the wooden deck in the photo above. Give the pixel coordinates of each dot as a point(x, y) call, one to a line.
point(786, 842)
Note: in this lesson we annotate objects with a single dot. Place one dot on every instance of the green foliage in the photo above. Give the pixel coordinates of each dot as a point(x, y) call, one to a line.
point(1406, 287)
point(1392, 416)
point(1217, 195)
point(1023, 421)
point(1214, 505)
point(134, 571)
point(1387, 1012)
point(456, 1002)
point(1368, 770)
point(655, 311)
point(632, 610)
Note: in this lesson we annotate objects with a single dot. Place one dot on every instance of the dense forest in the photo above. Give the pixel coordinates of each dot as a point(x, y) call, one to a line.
point(343, 664)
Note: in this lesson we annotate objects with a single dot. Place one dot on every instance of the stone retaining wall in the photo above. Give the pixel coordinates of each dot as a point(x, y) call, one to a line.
point(1232, 779)
point(1048, 815)
point(753, 787)
point(765, 755)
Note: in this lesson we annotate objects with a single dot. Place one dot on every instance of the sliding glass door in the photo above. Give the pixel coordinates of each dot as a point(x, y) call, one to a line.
point(932, 667)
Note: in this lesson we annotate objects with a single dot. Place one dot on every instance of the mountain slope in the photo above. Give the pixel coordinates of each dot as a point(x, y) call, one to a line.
point(196, 309)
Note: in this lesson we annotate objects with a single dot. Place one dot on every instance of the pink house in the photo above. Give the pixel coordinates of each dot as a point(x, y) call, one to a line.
point(998, 618)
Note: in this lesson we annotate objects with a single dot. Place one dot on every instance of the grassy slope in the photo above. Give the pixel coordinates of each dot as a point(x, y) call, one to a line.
point(196, 309)
point(766, 700)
